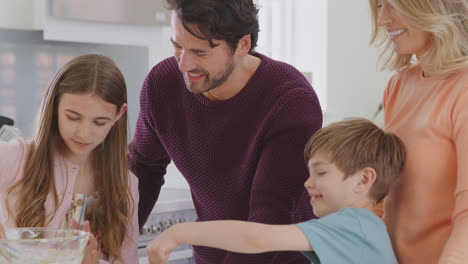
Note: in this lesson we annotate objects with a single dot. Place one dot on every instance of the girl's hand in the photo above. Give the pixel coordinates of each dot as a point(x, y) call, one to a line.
point(91, 255)
point(160, 248)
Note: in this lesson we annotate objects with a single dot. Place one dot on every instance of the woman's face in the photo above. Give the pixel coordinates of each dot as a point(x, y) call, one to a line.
point(84, 120)
point(406, 38)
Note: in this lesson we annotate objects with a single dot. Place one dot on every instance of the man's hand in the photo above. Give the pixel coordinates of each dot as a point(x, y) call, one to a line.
point(160, 248)
point(91, 255)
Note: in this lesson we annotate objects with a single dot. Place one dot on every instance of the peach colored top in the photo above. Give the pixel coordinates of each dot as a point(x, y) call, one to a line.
point(427, 210)
point(12, 161)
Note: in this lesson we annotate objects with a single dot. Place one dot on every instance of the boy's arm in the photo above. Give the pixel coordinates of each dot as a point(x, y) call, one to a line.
point(234, 236)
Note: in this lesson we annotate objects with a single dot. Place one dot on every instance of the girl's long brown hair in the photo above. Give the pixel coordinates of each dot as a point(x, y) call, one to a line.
point(96, 74)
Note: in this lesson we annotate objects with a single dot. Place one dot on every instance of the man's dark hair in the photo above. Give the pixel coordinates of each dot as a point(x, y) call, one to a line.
point(227, 20)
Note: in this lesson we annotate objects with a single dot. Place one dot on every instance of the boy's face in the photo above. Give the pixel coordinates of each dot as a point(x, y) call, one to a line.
point(328, 189)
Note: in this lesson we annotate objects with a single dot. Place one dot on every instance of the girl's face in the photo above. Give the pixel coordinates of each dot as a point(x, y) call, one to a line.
point(406, 38)
point(84, 120)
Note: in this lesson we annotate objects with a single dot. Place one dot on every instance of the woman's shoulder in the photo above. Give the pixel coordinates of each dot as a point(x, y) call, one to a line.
point(409, 71)
point(412, 76)
point(14, 150)
point(12, 159)
point(462, 77)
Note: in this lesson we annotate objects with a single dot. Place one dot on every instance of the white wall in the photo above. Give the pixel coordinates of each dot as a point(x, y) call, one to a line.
point(162, 49)
point(21, 14)
point(332, 41)
point(311, 43)
point(355, 83)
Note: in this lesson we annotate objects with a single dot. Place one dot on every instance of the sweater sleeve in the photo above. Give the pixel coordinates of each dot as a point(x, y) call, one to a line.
point(455, 250)
point(278, 185)
point(148, 159)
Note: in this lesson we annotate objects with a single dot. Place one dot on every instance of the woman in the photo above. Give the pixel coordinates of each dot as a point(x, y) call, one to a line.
point(77, 162)
point(426, 104)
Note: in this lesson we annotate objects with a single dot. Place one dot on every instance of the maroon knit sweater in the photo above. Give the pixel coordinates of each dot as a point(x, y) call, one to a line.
point(243, 157)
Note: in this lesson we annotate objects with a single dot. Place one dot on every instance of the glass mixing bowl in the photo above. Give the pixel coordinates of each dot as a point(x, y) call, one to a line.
point(43, 246)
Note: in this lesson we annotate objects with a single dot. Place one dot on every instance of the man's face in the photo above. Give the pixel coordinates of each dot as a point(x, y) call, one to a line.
point(204, 68)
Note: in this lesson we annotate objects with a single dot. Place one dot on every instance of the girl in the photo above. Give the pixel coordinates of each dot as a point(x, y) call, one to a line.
point(426, 104)
point(76, 162)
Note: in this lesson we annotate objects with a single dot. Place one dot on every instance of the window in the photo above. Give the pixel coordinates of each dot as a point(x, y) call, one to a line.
point(277, 34)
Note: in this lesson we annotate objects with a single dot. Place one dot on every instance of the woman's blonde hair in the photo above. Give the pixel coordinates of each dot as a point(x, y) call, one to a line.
point(96, 74)
point(446, 20)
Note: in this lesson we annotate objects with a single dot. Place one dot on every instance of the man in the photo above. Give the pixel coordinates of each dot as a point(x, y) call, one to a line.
point(234, 122)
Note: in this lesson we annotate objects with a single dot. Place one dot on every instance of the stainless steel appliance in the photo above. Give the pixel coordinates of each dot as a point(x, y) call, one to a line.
point(173, 206)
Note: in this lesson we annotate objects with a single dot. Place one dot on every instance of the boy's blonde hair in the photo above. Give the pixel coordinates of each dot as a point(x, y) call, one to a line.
point(446, 20)
point(357, 143)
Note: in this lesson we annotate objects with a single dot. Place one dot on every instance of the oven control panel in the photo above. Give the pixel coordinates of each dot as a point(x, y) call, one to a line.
point(173, 206)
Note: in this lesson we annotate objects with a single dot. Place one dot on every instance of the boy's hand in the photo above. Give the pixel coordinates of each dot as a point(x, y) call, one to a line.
point(160, 248)
point(91, 255)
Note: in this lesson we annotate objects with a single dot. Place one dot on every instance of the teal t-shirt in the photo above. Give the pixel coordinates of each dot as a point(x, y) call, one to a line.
point(351, 235)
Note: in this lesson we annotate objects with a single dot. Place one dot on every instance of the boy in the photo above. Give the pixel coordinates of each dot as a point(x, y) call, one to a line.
point(352, 165)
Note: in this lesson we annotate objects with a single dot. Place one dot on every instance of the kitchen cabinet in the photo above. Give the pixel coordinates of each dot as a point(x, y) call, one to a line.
point(125, 22)
point(22, 14)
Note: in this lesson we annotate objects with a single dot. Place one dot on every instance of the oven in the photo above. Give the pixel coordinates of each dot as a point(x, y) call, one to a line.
point(173, 206)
